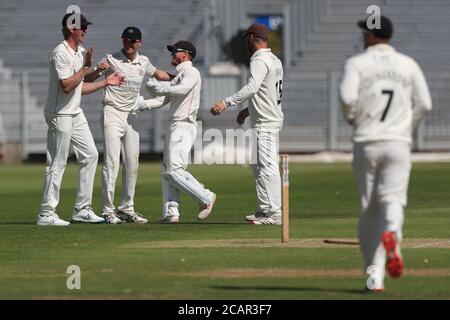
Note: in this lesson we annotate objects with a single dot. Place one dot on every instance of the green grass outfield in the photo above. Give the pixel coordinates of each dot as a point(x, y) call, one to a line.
point(219, 258)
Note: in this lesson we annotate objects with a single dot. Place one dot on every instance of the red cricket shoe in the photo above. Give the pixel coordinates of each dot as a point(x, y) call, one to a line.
point(394, 262)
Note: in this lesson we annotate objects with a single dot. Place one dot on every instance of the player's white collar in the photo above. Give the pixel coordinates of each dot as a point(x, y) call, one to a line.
point(260, 51)
point(125, 58)
point(183, 65)
point(71, 51)
point(381, 47)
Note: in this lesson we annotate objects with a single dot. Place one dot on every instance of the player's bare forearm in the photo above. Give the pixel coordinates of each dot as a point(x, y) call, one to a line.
point(90, 87)
point(69, 84)
point(162, 75)
point(112, 80)
point(98, 71)
point(92, 75)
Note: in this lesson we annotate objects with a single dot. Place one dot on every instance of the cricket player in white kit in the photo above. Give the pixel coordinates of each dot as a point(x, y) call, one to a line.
point(70, 66)
point(264, 91)
point(384, 96)
point(119, 122)
point(183, 94)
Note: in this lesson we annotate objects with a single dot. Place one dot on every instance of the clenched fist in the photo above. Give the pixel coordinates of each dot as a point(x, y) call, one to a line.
point(217, 108)
point(102, 66)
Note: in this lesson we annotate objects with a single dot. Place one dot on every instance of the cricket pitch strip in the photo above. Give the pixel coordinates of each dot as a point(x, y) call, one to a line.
point(275, 243)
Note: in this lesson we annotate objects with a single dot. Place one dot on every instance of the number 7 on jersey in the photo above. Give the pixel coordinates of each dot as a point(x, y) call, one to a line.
point(391, 94)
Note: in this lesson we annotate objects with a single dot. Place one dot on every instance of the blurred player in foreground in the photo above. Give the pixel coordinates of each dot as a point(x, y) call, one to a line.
point(384, 96)
point(70, 73)
point(264, 90)
point(183, 93)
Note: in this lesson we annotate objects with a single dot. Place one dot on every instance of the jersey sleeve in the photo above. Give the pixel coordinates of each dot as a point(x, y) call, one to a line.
point(156, 102)
point(112, 67)
point(190, 79)
point(258, 72)
point(62, 65)
point(150, 69)
point(348, 91)
point(421, 97)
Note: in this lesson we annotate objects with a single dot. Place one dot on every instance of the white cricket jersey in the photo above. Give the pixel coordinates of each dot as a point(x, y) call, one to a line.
point(384, 95)
point(124, 97)
point(185, 93)
point(64, 63)
point(264, 89)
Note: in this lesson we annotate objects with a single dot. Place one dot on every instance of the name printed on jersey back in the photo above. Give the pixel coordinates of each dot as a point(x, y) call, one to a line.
point(372, 78)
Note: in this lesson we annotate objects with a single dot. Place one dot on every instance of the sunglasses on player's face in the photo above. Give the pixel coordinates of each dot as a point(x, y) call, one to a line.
point(133, 41)
point(83, 28)
point(175, 51)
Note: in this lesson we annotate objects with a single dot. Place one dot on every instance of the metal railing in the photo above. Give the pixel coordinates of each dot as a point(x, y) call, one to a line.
point(313, 120)
point(301, 20)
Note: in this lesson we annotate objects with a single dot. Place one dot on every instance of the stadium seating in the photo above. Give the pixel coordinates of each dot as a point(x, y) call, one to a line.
point(30, 30)
point(324, 34)
point(420, 28)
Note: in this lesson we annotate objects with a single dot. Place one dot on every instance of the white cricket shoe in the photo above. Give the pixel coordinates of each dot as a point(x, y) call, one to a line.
point(52, 220)
point(111, 218)
point(207, 208)
point(132, 217)
point(86, 215)
point(170, 220)
point(274, 219)
point(257, 216)
point(375, 279)
point(171, 217)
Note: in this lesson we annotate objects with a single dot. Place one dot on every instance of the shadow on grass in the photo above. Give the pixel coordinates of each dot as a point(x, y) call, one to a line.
point(199, 223)
point(300, 289)
point(25, 223)
point(128, 224)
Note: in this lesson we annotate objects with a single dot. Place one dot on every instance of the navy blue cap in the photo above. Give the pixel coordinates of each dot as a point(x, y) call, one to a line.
point(132, 33)
point(181, 46)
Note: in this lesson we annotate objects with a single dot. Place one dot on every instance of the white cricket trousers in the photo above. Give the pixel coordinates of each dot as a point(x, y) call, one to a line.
point(174, 177)
point(382, 172)
point(63, 131)
point(120, 133)
point(266, 171)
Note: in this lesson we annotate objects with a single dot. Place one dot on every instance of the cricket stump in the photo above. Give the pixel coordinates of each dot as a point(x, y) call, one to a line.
point(285, 198)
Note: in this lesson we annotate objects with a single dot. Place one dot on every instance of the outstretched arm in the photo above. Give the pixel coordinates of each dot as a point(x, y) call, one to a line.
point(145, 105)
point(112, 80)
point(258, 71)
point(164, 88)
point(98, 71)
point(162, 75)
